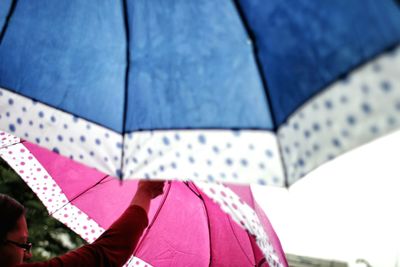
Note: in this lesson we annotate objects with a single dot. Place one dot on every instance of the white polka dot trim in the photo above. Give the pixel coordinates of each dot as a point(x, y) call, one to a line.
point(73, 137)
point(79, 222)
point(47, 190)
point(7, 139)
point(239, 157)
point(349, 113)
point(242, 214)
point(222, 155)
point(136, 262)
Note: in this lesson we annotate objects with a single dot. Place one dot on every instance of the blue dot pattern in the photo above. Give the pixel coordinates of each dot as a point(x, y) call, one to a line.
point(345, 115)
point(60, 132)
point(205, 155)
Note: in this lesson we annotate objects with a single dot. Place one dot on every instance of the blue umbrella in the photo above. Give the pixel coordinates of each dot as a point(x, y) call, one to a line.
point(231, 91)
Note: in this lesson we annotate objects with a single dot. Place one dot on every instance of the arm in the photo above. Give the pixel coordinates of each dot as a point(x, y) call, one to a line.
point(116, 245)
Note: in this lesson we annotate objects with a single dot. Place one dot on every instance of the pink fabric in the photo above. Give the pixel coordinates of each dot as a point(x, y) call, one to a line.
point(71, 176)
point(245, 194)
point(179, 235)
point(231, 245)
point(186, 227)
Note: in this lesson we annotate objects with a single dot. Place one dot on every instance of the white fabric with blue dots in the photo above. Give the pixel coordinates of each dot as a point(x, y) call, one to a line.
point(61, 132)
point(349, 113)
point(200, 155)
point(205, 155)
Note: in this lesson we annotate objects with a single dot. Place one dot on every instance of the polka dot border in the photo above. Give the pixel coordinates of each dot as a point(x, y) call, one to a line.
point(7, 139)
point(136, 262)
point(239, 157)
point(42, 184)
point(61, 132)
point(351, 112)
point(243, 215)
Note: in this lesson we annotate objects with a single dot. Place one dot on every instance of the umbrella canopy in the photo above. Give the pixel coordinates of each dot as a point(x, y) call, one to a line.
point(230, 91)
point(186, 226)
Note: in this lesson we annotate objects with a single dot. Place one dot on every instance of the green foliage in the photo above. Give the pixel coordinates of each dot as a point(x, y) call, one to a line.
point(49, 237)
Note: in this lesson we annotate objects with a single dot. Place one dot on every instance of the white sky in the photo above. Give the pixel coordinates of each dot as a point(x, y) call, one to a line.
point(348, 208)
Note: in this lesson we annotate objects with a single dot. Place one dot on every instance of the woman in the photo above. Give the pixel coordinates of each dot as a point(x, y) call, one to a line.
point(112, 248)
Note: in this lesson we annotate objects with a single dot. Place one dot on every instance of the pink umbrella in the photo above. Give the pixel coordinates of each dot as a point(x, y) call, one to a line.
point(192, 224)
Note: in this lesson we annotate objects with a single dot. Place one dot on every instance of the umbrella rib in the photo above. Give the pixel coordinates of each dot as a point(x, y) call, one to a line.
point(154, 218)
point(234, 234)
point(191, 189)
point(207, 216)
point(254, 203)
point(161, 205)
point(80, 194)
point(7, 20)
point(209, 227)
point(252, 37)
point(126, 22)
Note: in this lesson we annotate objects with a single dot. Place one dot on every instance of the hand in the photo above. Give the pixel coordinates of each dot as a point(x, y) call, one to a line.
point(146, 191)
point(153, 188)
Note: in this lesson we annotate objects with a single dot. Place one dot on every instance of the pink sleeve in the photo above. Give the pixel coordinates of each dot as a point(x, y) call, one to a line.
point(112, 248)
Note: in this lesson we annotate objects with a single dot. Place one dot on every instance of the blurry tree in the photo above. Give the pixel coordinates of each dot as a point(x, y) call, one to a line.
point(49, 237)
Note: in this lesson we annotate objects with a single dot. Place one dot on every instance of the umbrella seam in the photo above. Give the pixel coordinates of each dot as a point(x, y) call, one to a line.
point(240, 245)
point(263, 78)
point(209, 228)
point(127, 53)
point(208, 221)
point(7, 20)
point(80, 194)
point(154, 218)
point(191, 189)
point(251, 36)
point(20, 142)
